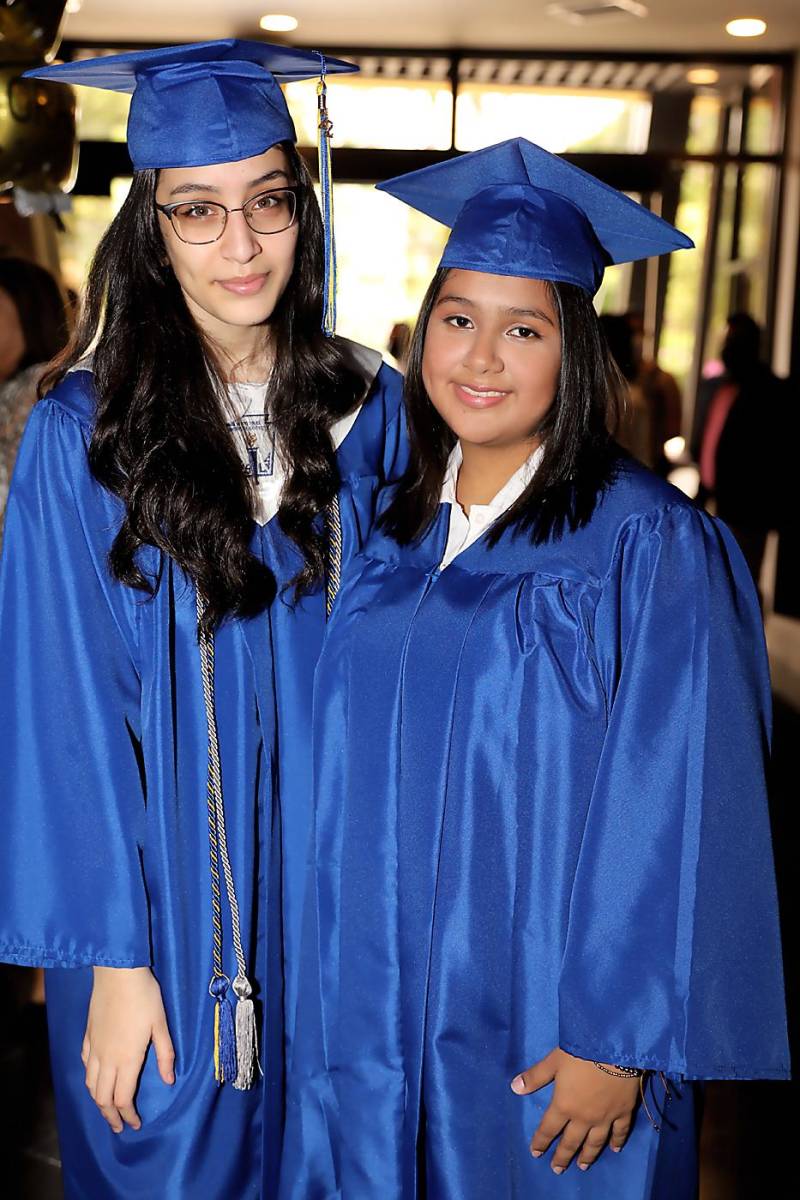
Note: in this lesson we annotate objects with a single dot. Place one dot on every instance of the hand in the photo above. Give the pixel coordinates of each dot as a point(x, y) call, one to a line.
point(126, 1014)
point(588, 1107)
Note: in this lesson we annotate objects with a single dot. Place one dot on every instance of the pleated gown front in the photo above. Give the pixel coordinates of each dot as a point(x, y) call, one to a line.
point(104, 857)
point(541, 821)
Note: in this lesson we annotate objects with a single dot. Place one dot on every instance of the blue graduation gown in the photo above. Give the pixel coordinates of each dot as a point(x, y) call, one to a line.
point(541, 820)
point(104, 854)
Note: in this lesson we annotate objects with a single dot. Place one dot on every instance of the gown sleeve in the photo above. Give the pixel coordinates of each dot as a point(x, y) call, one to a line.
point(373, 455)
point(673, 958)
point(395, 446)
point(72, 891)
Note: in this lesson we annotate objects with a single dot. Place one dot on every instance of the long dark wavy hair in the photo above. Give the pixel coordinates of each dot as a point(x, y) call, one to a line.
point(579, 455)
point(160, 440)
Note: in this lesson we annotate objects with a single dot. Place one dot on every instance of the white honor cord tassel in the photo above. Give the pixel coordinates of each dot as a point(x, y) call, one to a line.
point(246, 1035)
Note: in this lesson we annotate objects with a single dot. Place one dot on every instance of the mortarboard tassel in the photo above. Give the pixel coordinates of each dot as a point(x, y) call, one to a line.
point(324, 132)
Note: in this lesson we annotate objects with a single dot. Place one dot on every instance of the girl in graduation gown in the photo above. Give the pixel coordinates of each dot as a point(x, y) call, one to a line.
point(158, 530)
point(543, 862)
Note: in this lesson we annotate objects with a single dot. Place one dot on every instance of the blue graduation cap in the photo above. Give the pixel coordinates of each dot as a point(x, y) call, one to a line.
point(215, 102)
point(206, 103)
point(516, 209)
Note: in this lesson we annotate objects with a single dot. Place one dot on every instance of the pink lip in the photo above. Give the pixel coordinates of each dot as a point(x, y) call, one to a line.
point(484, 399)
point(244, 285)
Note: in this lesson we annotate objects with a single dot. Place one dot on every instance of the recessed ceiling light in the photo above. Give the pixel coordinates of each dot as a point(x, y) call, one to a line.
point(73, 6)
point(746, 27)
point(702, 75)
point(278, 23)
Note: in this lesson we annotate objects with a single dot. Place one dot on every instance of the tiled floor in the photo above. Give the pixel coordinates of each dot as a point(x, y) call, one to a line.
point(748, 1129)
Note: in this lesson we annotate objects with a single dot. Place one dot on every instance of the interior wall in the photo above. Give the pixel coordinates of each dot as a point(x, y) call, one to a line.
point(787, 306)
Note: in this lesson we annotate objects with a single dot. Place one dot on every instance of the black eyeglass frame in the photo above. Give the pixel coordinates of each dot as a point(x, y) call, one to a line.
point(169, 209)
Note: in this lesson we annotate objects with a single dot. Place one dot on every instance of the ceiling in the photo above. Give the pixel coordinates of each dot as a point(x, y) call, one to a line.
point(671, 25)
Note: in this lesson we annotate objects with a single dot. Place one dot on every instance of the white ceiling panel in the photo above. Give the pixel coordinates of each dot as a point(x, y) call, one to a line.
point(671, 25)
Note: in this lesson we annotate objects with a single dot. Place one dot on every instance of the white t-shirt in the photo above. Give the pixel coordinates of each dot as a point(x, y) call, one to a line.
point(253, 436)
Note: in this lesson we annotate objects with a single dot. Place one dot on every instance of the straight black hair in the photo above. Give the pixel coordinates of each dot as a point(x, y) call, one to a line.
point(579, 455)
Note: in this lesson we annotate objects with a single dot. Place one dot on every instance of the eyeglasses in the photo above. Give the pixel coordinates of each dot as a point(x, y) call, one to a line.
point(199, 222)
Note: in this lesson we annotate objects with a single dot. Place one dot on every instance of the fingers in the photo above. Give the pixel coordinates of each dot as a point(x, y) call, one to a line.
point(549, 1127)
point(112, 1090)
point(165, 1053)
point(585, 1110)
point(92, 1071)
point(103, 1096)
point(124, 1092)
point(570, 1143)
point(535, 1077)
point(126, 1015)
point(593, 1143)
point(619, 1132)
point(577, 1137)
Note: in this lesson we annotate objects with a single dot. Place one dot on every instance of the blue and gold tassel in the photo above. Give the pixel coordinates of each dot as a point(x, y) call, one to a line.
point(225, 1065)
point(324, 133)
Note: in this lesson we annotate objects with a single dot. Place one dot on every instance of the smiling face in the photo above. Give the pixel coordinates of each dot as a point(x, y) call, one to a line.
point(492, 358)
point(235, 282)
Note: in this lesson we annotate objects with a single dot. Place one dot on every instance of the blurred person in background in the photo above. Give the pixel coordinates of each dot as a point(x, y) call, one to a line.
point(661, 392)
point(398, 344)
point(652, 413)
point(635, 429)
point(34, 328)
point(739, 441)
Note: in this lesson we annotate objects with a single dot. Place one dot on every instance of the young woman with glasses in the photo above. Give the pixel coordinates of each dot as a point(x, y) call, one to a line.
point(163, 602)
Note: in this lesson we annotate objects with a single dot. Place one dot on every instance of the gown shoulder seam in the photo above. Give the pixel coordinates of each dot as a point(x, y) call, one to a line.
point(52, 400)
point(646, 518)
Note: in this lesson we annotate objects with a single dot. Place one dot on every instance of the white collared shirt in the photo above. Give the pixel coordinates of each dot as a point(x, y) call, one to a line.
point(467, 528)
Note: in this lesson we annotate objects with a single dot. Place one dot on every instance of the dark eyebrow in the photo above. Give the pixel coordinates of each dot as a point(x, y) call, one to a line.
point(455, 300)
point(538, 314)
point(183, 188)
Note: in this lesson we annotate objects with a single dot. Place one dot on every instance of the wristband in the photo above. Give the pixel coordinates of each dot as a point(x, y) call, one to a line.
point(619, 1072)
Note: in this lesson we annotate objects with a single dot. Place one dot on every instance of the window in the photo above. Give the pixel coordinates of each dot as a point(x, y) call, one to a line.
point(84, 226)
point(387, 254)
point(102, 116)
point(557, 119)
point(371, 113)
